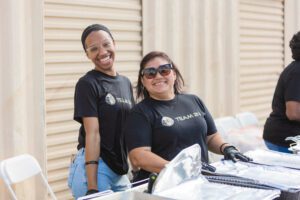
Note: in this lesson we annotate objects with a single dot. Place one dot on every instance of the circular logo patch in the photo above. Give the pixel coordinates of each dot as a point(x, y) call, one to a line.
point(167, 121)
point(109, 99)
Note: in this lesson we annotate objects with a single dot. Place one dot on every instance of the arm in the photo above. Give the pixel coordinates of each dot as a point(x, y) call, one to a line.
point(293, 110)
point(142, 157)
point(92, 149)
point(214, 142)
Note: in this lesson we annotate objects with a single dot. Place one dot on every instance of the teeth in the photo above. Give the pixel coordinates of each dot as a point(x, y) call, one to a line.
point(160, 83)
point(105, 59)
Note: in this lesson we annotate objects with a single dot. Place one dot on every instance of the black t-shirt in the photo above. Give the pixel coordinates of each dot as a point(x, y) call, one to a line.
point(278, 126)
point(109, 98)
point(169, 126)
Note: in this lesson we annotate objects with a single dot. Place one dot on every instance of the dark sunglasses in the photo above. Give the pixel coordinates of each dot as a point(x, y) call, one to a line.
point(151, 72)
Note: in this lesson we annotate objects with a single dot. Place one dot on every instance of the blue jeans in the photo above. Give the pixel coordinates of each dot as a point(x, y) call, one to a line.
point(107, 179)
point(275, 147)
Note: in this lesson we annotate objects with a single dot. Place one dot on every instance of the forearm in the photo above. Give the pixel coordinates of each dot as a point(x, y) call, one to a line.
point(215, 143)
point(92, 153)
point(92, 149)
point(147, 160)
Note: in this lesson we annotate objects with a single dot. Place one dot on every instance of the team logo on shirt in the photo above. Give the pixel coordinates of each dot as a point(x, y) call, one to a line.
point(188, 116)
point(109, 99)
point(167, 121)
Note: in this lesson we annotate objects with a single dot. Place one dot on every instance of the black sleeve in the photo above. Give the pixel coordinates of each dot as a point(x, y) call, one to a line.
point(137, 131)
point(211, 127)
point(292, 91)
point(85, 101)
point(131, 92)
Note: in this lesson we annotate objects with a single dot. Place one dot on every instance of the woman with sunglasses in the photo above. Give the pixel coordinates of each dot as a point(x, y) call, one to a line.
point(167, 121)
point(102, 100)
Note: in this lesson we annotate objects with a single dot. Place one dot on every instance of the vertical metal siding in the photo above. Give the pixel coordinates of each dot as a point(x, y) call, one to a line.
point(66, 62)
point(261, 53)
point(201, 36)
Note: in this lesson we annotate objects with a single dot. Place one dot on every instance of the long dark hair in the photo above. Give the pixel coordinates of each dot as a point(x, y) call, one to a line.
point(141, 91)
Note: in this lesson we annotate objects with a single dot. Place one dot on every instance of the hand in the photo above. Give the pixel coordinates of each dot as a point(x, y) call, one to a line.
point(231, 153)
point(91, 191)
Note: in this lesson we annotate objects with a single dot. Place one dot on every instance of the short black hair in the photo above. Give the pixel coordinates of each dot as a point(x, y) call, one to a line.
point(295, 46)
point(91, 28)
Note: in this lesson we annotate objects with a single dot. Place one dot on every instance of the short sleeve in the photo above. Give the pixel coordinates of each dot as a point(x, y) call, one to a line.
point(137, 131)
point(211, 127)
point(292, 88)
point(85, 101)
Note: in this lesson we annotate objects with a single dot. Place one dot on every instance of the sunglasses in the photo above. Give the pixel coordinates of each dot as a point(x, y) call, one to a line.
point(151, 72)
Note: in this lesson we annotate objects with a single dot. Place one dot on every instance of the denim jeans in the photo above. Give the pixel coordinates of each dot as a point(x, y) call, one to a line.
point(107, 179)
point(275, 147)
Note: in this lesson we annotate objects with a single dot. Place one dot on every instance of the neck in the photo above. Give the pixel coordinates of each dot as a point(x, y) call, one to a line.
point(163, 97)
point(110, 72)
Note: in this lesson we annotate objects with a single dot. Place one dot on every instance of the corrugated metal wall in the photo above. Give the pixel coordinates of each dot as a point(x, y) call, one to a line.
point(201, 36)
point(210, 70)
point(261, 53)
point(66, 62)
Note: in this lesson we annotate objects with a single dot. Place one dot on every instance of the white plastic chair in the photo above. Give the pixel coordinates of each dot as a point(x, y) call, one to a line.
point(219, 127)
point(19, 168)
point(247, 119)
point(226, 124)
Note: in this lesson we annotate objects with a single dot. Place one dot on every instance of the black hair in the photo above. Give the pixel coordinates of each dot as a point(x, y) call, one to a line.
point(141, 91)
point(91, 28)
point(295, 46)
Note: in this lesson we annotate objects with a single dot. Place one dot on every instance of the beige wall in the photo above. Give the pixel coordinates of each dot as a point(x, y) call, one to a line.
point(202, 38)
point(292, 25)
point(66, 62)
point(206, 39)
point(22, 83)
point(261, 54)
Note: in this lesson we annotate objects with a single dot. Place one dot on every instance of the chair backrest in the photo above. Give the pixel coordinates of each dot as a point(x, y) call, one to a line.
point(247, 119)
point(219, 127)
point(19, 168)
point(226, 124)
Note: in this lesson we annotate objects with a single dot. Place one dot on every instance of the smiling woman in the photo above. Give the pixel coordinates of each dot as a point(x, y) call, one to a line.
point(167, 121)
point(102, 97)
point(100, 49)
point(159, 85)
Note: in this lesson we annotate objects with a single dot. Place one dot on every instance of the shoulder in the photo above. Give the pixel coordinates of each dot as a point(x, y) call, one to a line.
point(144, 107)
point(89, 81)
point(89, 77)
point(293, 67)
point(296, 66)
point(141, 106)
point(123, 78)
point(192, 99)
point(142, 111)
point(189, 97)
point(291, 71)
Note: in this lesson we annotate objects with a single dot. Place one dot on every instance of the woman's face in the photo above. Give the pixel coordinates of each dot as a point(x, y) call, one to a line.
point(161, 85)
point(100, 49)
